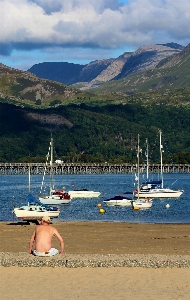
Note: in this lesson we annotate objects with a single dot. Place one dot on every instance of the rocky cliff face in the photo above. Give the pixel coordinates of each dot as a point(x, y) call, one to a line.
point(146, 57)
point(98, 72)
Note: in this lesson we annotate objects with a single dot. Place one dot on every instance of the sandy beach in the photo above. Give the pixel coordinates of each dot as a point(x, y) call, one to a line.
point(102, 261)
point(104, 237)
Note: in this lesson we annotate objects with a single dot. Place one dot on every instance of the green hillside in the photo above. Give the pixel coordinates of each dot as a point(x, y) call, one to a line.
point(171, 73)
point(93, 134)
point(89, 127)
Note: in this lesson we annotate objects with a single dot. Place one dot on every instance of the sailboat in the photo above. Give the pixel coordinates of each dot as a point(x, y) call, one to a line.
point(155, 189)
point(55, 197)
point(140, 203)
point(150, 182)
point(35, 210)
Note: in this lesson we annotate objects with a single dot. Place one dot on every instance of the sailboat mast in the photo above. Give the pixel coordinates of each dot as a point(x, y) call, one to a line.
point(147, 163)
point(138, 173)
point(161, 163)
point(29, 179)
point(51, 170)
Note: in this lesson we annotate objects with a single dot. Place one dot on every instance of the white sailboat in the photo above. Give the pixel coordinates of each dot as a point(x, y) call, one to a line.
point(55, 197)
point(35, 210)
point(140, 203)
point(156, 189)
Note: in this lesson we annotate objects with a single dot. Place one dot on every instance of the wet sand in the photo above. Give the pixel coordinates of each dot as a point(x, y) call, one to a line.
point(104, 238)
point(149, 261)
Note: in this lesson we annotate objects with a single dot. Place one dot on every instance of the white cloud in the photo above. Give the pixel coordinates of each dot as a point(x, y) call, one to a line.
point(103, 24)
point(99, 23)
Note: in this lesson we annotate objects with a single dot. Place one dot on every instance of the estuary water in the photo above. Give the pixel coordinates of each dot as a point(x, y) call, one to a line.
point(14, 192)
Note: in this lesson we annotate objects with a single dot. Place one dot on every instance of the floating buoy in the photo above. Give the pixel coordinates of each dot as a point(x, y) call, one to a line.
point(136, 208)
point(99, 204)
point(167, 206)
point(101, 210)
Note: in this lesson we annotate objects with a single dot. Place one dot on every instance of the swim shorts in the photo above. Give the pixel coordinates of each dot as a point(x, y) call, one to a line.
point(51, 252)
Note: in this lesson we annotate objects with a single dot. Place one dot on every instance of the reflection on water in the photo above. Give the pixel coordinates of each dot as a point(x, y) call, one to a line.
point(14, 191)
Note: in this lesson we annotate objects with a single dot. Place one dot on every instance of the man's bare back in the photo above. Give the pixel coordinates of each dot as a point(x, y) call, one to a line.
point(42, 236)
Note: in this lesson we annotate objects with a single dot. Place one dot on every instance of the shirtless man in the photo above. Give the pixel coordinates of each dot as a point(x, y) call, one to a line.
point(42, 236)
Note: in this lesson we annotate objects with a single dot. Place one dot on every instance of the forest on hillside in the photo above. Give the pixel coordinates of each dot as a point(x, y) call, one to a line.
point(98, 134)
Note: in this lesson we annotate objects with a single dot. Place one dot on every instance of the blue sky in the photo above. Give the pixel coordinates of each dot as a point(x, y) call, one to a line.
point(80, 31)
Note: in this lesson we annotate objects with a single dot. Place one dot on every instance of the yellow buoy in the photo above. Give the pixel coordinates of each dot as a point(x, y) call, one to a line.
point(136, 208)
point(101, 210)
point(167, 206)
point(99, 204)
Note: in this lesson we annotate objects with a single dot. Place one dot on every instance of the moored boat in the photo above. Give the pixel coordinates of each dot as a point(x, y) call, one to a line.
point(35, 210)
point(155, 189)
point(159, 193)
point(118, 201)
point(141, 203)
point(55, 197)
point(83, 194)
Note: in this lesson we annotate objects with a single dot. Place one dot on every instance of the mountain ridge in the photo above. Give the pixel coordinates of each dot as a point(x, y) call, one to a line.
point(100, 71)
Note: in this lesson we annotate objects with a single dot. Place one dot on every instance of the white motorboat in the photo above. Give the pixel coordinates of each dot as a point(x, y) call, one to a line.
point(55, 197)
point(141, 203)
point(83, 194)
point(155, 189)
point(118, 201)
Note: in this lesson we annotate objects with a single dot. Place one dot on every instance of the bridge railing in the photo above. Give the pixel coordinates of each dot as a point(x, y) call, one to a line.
point(87, 168)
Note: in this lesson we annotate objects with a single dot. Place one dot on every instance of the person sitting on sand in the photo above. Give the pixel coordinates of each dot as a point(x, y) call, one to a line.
point(42, 236)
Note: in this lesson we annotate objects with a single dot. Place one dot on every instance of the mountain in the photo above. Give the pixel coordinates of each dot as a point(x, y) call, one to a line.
point(63, 72)
point(24, 88)
point(69, 73)
point(170, 73)
point(89, 127)
point(98, 72)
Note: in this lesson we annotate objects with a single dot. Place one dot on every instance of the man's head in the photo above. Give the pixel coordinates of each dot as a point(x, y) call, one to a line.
point(46, 219)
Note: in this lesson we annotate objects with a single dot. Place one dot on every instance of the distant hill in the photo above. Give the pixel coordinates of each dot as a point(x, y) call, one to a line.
point(98, 72)
point(85, 133)
point(24, 88)
point(69, 73)
point(63, 72)
point(170, 73)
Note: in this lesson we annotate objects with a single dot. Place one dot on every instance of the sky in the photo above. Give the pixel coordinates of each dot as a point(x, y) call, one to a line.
point(81, 31)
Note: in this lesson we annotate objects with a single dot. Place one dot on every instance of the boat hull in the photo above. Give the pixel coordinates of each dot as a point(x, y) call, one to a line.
point(142, 204)
point(123, 202)
point(49, 200)
point(24, 214)
point(158, 193)
point(83, 194)
point(53, 200)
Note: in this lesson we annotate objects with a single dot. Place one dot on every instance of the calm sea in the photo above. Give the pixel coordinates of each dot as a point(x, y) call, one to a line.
point(14, 191)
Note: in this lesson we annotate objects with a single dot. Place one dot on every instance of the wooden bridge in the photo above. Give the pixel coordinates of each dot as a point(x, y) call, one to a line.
point(88, 168)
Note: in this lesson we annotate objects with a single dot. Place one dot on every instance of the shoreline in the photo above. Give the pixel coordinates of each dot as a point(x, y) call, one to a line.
point(104, 238)
point(11, 222)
